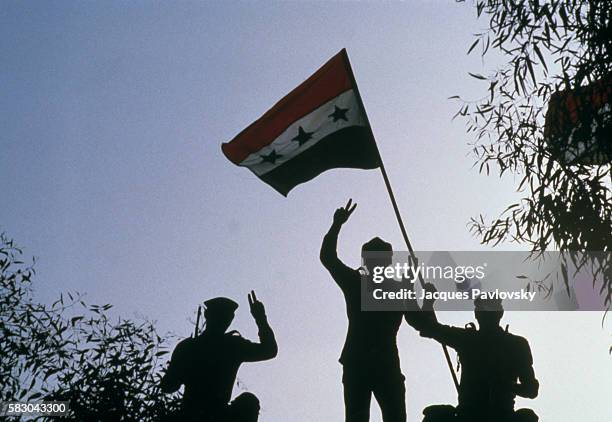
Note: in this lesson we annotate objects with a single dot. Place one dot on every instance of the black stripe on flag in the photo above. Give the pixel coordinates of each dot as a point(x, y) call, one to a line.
point(350, 147)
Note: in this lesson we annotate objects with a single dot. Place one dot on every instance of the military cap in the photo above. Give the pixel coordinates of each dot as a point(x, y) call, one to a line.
point(220, 305)
point(377, 245)
point(488, 304)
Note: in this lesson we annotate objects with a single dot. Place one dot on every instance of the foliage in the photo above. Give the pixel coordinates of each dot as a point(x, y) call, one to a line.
point(71, 351)
point(544, 47)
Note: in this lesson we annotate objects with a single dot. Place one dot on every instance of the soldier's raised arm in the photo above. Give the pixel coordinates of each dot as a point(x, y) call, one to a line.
point(329, 253)
point(420, 317)
point(426, 323)
point(267, 347)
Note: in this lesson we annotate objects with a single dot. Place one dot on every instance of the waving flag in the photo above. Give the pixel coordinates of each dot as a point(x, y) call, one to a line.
point(318, 126)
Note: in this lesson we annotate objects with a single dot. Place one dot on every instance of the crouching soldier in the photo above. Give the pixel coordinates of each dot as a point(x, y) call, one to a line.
point(207, 365)
point(496, 366)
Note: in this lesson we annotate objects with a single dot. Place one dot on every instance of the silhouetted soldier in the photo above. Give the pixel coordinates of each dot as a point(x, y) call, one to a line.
point(369, 358)
point(496, 366)
point(208, 364)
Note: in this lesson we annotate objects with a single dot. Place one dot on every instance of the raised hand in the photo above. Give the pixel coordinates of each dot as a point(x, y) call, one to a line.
point(257, 308)
point(428, 302)
point(342, 214)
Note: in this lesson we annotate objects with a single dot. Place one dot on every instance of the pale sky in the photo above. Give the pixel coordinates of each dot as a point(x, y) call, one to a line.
point(112, 116)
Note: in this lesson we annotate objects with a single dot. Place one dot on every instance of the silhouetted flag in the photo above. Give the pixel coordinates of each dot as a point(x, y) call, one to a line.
point(578, 126)
point(318, 126)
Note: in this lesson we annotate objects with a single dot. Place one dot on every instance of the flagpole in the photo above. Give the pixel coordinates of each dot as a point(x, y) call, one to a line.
point(398, 216)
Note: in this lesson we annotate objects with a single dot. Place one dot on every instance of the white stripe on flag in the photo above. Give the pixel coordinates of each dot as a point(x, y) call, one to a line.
point(318, 122)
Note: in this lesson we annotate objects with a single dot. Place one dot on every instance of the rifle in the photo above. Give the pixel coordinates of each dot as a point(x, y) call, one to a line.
point(197, 324)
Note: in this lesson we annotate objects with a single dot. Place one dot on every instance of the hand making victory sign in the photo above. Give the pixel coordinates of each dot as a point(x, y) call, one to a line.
point(257, 308)
point(342, 214)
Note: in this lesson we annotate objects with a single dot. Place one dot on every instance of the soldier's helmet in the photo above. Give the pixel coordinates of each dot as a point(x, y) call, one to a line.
point(488, 304)
point(488, 311)
point(377, 252)
point(219, 313)
point(220, 306)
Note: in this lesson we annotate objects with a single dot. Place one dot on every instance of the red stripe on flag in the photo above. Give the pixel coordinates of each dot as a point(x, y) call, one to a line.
point(328, 82)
